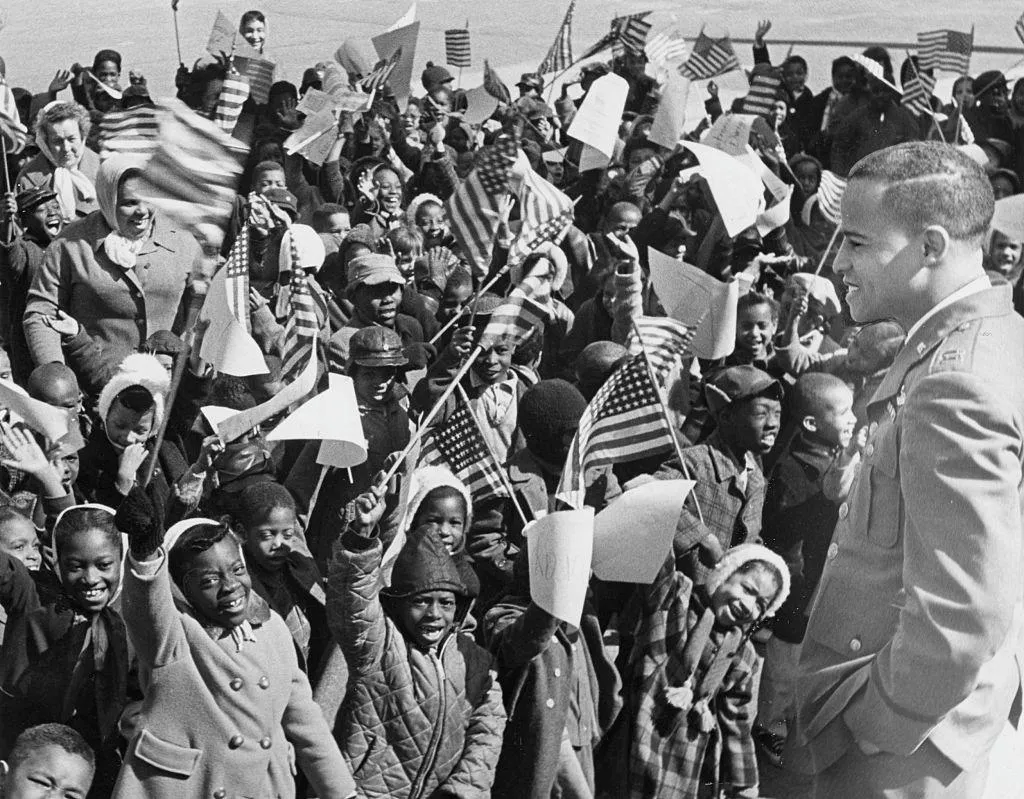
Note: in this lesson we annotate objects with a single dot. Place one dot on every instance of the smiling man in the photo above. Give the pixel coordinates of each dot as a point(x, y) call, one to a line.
point(910, 664)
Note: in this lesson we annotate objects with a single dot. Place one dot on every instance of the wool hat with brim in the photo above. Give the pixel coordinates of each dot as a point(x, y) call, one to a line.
point(738, 383)
point(987, 81)
point(283, 199)
point(372, 269)
point(876, 71)
point(424, 565)
point(532, 81)
point(376, 346)
point(741, 555)
point(33, 197)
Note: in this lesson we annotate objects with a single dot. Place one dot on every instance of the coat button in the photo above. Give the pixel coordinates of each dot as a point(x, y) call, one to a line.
point(220, 793)
point(236, 684)
point(844, 510)
point(264, 682)
point(236, 742)
point(550, 703)
point(558, 672)
point(264, 743)
point(869, 450)
point(855, 645)
point(833, 551)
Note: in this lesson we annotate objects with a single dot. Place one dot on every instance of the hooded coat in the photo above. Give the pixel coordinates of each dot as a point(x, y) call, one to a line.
point(415, 723)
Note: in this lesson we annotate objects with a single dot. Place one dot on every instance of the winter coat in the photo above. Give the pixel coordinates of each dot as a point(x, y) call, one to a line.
point(414, 723)
point(216, 722)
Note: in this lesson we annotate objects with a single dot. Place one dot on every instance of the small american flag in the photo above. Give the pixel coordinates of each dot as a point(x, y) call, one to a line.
point(709, 59)
point(917, 93)
point(525, 310)
point(495, 86)
point(473, 209)
point(301, 329)
point(233, 95)
point(1018, 27)
point(15, 135)
point(830, 196)
point(260, 73)
point(381, 73)
point(665, 340)
point(458, 444)
point(945, 49)
point(559, 57)
point(236, 274)
point(456, 47)
point(763, 92)
point(624, 422)
point(665, 48)
point(135, 131)
point(630, 33)
point(546, 214)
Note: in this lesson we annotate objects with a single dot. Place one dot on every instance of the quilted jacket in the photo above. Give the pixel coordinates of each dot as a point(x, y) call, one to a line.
point(414, 723)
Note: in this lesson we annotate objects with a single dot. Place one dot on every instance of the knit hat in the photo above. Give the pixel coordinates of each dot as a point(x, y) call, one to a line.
point(424, 480)
point(987, 81)
point(435, 75)
point(547, 411)
point(308, 245)
point(745, 553)
point(138, 369)
point(424, 565)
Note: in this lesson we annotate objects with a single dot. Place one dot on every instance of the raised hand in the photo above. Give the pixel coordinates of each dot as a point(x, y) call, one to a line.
point(22, 451)
point(763, 26)
point(133, 456)
point(61, 80)
point(369, 508)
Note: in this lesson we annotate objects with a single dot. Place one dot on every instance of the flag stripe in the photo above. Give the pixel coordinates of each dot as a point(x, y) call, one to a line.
point(559, 56)
point(630, 33)
point(456, 46)
point(945, 49)
point(710, 58)
point(233, 95)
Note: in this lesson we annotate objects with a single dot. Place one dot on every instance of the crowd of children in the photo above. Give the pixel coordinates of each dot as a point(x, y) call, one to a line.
point(185, 615)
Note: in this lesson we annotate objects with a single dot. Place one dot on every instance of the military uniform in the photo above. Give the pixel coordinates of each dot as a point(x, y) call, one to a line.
point(914, 640)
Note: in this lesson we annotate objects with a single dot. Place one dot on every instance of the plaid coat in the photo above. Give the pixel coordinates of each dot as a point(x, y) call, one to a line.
point(733, 515)
point(668, 755)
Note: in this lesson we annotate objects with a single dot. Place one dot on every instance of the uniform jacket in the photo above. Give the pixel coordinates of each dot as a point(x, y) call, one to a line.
point(216, 722)
point(915, 632)
point(414, 724)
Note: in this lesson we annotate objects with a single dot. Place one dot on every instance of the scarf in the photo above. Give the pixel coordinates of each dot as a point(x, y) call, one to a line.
point(70, 183)
point(120, 249)
point(826, 119)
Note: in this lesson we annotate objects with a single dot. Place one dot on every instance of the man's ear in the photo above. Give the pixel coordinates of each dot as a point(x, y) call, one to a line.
point(936, 244)
point(810, 424)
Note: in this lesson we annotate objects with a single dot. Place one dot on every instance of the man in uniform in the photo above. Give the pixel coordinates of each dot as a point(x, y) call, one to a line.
point(911, 662)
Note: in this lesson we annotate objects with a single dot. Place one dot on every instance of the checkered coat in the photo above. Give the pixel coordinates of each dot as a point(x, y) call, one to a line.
point(669, 757)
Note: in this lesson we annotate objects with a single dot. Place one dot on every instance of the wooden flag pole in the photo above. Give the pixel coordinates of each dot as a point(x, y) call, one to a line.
point(180, 362)
point(666, 416)
point(494, 459)
point(928, 99)
point(7, 173)
point(177, 35)
point(828, 249)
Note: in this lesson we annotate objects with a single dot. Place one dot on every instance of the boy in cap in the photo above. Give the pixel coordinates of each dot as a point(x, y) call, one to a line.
point(530, 85)
point(990, 116)
point(37, 213)
point(746, 404)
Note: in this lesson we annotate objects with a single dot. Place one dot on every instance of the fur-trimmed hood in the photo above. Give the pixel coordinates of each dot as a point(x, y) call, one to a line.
point(744, 553)
point(138, 369)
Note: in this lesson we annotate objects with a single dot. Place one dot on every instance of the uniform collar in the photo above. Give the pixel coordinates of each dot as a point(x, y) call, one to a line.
point(978, 284)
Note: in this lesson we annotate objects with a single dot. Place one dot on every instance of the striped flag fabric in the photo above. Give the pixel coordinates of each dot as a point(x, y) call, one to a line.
point(194, 171)
point(233, 95)
point(606, 41)
point(917, 93)
point(830, 196)
point(134, 131)
point(495, 86)
point(622, 423)
point(236, 278)
point(559, 57)
point(458, 444)
point(260, 73)
point(764, 91)
point(945, 49)
point(14, 134)
point(630, 33)
point(456, 47)
point(381, 73)
point(1018, 28)
point(525, 310)
point(664, 339)
point(300, 331)
point(709, 58)
point(473, 209)
point(545, 211)
point(665, 48)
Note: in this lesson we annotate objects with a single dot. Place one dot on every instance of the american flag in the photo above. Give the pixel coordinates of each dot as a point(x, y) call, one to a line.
point(709, 58)
point(236, 276)
point(624, 422)
point(608, 40)
point(473, 209)
point(15, 135)
point(763, 92)
point(381, 73)
point(233, 95)
point(260, 73)
point(830, 196)
point(135, 131)
point(525, 310)
point(301, 329)
point(456, 47)
point(917, 93)
point(1018, 27)
point(495, 86)
point(665, 48)
point(945, 49)
point(458, 444)
point(665, 340)
point(630, 33)
point(559, 57)
point(546, 214)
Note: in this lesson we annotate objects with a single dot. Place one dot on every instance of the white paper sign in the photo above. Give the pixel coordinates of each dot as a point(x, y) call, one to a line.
point(597, 121)
point(774, 217)
point(227, 345)
point(730, 133)
point(669, 119)
point(737, 191)
point(560, 547)
point(331, 417)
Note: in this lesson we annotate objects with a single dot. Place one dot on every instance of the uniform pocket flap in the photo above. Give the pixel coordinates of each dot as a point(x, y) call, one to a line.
point(166, 756)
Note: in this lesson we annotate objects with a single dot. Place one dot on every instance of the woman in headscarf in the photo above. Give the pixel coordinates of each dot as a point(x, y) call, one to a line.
point(121, 272)
point(64, 163)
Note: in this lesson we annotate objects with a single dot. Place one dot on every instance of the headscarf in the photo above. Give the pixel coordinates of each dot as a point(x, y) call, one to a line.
point(120, 249)
point(70, 183)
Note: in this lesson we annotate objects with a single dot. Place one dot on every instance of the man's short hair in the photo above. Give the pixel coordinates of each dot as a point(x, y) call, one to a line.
point(35, 738)
point(927, 183)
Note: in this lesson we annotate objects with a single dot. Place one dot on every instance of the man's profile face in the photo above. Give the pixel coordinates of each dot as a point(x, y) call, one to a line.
point(878, 261)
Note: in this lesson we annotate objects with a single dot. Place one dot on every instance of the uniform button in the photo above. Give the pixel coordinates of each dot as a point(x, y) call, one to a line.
point(844, 510)
point(554, 639)
point(869, 450)
point(855, 645)
point(550, 703)
point(264, 682)
point(833, 551)
point(236, 684)
point(220, 793)
point(558, 672)
point(236, 742)
point(264, 743)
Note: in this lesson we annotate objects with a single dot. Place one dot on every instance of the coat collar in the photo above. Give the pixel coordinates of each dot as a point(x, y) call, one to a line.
point(162, 237)
point(724, 466)
point(990, 302)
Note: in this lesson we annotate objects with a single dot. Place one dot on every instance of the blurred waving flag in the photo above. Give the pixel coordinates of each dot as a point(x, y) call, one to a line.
point(458, 444)
point(233, 95)
point(301, 329)
point(630, 33)
point(260, 73)
point(764, 90)
point(709, 58)
point(135, 131)
point(473, 209)
point(494, 85)
point(945, 49)
point(623, 422)
point(545, 211)
point(665, 48)
point(15, 135)
point(456, 47)
point(559, 57)
point(830, 196)
point(525, 310)
point(236, 272)
point(917, 93)
point(381, 73)
point(1018, 27)
point(665, 341)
